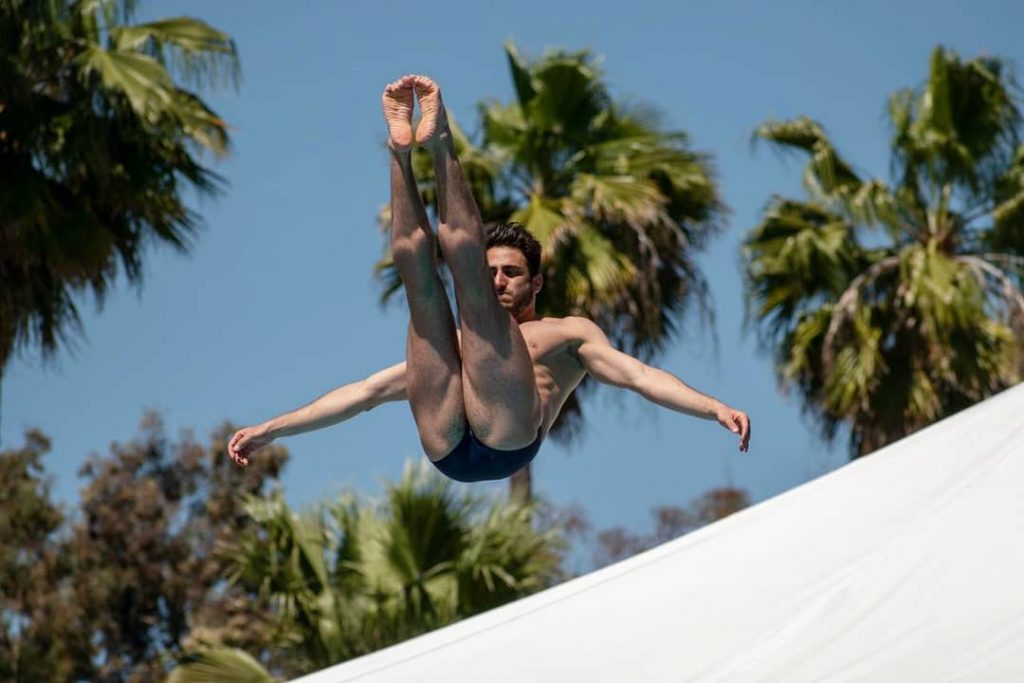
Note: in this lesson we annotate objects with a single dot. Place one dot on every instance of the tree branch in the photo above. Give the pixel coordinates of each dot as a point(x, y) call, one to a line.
point(846, 303)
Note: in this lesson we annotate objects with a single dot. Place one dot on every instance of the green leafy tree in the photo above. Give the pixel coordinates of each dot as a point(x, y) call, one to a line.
point(620, 206)
point(101, 136)
point(153, 516)
point(349, 578)
point(888, 306)
point(41, 635)
point(118, 591)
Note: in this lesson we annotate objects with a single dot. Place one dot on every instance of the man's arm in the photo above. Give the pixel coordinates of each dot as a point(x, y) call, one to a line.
point(333, 407)
point(611, 366)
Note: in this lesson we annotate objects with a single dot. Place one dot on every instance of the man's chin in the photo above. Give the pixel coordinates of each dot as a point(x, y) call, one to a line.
point(510, 306)
point(514, 307)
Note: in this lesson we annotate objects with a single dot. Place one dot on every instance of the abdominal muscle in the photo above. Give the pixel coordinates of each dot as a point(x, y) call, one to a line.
point(556, 369)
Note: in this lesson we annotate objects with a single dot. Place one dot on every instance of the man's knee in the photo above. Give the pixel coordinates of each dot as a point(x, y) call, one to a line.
point(461, 243)
point(412, 250)
point(439, 443)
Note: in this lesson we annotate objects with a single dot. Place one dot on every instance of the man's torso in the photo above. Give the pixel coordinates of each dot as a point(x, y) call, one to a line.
point(553, 343)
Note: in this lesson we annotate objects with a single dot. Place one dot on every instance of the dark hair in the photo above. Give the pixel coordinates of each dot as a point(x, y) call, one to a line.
point(514, 235)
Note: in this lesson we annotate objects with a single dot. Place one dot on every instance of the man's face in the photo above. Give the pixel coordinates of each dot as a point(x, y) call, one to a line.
point(510, 276)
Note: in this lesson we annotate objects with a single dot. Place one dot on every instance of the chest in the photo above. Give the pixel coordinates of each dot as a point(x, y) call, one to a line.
point(549, 347)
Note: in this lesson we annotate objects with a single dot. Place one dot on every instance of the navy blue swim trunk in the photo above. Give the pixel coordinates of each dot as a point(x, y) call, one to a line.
point(473, 461)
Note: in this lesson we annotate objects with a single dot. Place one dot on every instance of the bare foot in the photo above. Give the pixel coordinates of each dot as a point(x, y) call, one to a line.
point(397, 104)
point(433, 118)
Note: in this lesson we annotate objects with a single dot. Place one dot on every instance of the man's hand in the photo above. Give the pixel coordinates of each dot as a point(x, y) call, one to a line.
point(737, 422)
point(247, 441)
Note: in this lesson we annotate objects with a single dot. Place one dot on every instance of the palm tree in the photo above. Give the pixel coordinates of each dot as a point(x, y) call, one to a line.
point(350, 578)
point(619, 205)
point(99, 140)
point(890, 306)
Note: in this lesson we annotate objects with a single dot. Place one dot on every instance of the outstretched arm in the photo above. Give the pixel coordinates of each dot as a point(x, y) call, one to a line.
point(610, 366)
point(330, 409)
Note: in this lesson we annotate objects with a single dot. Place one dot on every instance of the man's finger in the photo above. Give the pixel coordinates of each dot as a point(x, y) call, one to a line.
point(731, 424)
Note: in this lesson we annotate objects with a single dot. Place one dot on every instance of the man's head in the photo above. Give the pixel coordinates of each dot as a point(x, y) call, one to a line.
point(513, 256)
point(514, 235)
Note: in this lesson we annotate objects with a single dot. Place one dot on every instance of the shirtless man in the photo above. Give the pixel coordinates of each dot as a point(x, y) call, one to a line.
point(483, 396)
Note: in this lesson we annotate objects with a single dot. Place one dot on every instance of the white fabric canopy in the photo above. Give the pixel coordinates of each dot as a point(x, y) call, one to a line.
point(907, 565)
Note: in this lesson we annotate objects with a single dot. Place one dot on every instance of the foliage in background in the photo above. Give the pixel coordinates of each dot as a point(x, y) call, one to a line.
point(39, 637)
point(101, 135)
point(111, 591)
point(176, 556)
point(888, 306)
point(352, 577)
point(620, 205)
point(670, 521)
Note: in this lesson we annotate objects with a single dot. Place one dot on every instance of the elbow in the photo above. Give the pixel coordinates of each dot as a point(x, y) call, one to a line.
point(643, 382)
point(379, 388)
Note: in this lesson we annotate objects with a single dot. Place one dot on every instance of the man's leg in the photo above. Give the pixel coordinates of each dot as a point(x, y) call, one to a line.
point(499, 387)
point(433, 368)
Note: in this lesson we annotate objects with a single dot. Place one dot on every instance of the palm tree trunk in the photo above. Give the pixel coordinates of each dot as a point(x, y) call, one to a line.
point(520, 486)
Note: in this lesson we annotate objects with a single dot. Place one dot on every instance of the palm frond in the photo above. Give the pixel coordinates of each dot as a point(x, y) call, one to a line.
point(1004, 286)
point(964, 123)
point(569, 93)
point(796, 134)
point(138, 77)
point(522, 79)
point(799, 255)
point(221, 665)
point(620, 199)
point(849, 310)
point(1010, 211)
point(605, 272)
point(200, 54)
point(872, 203)
point(1008, 214)
point(826, 173)
point(544, 219)
point(199, 123)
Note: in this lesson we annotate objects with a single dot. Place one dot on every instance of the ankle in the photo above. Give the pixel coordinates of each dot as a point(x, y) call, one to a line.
point(441, 144)
point(399, 151)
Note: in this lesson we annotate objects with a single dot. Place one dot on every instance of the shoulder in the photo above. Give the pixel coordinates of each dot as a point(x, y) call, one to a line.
point(576, 330)
point(585, 329)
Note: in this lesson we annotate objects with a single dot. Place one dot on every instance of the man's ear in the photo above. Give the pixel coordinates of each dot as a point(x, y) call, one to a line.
point(537, 283)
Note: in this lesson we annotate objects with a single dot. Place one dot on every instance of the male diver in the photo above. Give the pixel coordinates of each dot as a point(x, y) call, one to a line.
point(484, 395)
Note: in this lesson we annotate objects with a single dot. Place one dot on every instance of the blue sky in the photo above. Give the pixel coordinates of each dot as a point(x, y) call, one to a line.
point(276, 305)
